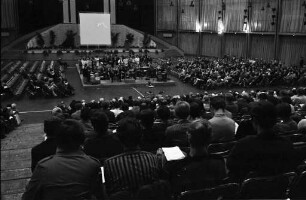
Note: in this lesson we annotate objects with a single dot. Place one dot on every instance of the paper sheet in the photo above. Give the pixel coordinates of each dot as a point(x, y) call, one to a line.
point(173, 153)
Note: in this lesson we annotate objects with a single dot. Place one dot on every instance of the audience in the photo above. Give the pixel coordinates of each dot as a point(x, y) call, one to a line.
point(223, 127)
point(286, 125)
point(70, 173)
point(47, 147)
point(134, 168)
point(104, 144)
point(265, 153)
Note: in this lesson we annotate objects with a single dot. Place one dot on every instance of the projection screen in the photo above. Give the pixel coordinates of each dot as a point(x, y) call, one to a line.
point(95, 29)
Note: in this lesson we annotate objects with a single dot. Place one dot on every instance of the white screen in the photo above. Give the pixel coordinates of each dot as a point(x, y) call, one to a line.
point(95, 29)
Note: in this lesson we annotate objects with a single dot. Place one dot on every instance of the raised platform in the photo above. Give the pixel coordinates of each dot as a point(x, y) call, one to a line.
point(125, 83)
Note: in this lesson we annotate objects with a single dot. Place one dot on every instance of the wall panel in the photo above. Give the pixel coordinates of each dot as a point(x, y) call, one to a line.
point(292, 49)
point(234, 12)
point(211, 44)
point(9, 14)
point(235, 45)
point(209, 17)
point(189, 42)
point(292, 18)
point(166, 15)
point(190, 16)
point(171, 40)
point(262, 47)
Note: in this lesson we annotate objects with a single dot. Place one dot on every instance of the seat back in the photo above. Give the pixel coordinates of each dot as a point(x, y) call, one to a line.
point(297, 189)
point(222, 149)
point(267, 187)
point(226, 191)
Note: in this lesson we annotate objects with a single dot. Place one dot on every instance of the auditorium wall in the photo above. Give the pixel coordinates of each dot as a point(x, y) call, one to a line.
point(251, 28)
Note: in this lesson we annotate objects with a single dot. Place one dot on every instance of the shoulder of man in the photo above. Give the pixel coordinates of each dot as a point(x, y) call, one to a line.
point(45, 160)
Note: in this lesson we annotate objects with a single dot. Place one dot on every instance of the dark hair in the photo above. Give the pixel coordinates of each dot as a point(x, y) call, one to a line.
point(182, 109)
point(283, 110)
point(99, 121)
point(85, 113)
point(125, 106)
point(147, 118)
point(199, 133)
point(195, 110)
point(52, 125)
point(129, 132)
point(217, 102)
point(264, 114)
point(163, 112)
point(70, 135)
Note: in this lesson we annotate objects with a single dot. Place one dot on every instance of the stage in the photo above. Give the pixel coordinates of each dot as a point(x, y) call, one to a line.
point(124, 82)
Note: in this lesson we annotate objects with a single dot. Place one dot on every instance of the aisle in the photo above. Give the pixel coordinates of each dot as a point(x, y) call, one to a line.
point(16, 159)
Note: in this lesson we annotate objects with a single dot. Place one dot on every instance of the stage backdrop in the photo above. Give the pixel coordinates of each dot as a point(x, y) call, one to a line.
point(95, 29)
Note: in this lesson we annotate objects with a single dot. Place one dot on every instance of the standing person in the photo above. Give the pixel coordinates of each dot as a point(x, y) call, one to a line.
point(70, 173)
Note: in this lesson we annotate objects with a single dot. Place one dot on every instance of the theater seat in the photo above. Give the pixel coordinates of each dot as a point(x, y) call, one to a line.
point(298, 189)
point(222, 149)
point(271, 187)
point(226, 191)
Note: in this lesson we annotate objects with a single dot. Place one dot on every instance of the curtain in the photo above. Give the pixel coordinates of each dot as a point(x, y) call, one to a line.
point(189, 16)
point(210, 15)
point(292, 18)
point(292, 48)
point(262, 47)
point(9, 14)
point(262, 15)
point(235, 45)
point(189, 42)
point(166, 14)
point(234, 12)
point(211, 44)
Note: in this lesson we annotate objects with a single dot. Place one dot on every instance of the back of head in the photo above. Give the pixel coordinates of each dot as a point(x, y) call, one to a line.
point(163, 112)
point(264, 114)
point(85, 113)
point(51, 126)
point(199, 133)
point(195, 110)
point(182, 109)
point(129, 132)
point(70, 135)
point(99, 121)
point(217, 102)
point(147, 118)
point(283, 110)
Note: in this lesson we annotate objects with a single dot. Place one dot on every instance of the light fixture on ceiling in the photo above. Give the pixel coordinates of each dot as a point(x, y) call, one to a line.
point(191, 4)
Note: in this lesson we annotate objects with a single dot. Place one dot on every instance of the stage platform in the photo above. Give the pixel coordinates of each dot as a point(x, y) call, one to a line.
point(126, 82)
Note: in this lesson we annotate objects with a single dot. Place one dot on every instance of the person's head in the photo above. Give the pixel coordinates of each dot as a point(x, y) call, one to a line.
point(217, 102)
point(163, 112)
point(70, 135)
point(195, 110)
point(129, 132)
point(147, 118)
point(125, 107)
point(99, 121)
point(182, 109)
point(199, 134)
point(85, 113)
point(78, 106)
point(51, 126)
point(283, 110)
point(263, 114)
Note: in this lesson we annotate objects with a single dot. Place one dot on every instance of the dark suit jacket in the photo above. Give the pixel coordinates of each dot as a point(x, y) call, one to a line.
point(42, 150)
point(103, 147)
point(176, 135)
point(265, 155)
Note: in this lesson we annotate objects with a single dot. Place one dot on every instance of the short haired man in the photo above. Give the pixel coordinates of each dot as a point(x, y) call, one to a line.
point(133, 168)
point(70, 173)
point(176, 134)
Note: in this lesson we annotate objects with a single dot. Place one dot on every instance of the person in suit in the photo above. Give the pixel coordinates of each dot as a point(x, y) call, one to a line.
point(47, 147)
point(266, 153)
point(70, 173)
point(105, 144)
point(176, 134)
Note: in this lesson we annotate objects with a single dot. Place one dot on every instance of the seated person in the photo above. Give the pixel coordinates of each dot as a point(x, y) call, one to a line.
point(47, 147)
point(70, 173)
point(133, 168)
point(104, 145)
point(265, 153)
point(176, 135)
point(287, 125)
point(85, 121)
point(223, 127)
point(199, 169)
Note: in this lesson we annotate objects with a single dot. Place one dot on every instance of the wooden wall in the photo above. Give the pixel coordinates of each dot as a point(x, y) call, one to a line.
point(262, 42)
